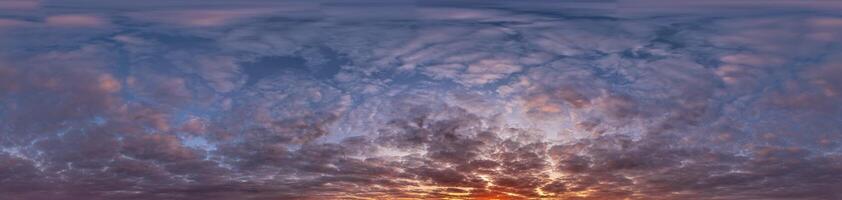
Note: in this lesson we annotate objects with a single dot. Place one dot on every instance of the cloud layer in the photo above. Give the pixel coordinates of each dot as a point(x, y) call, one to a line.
point(331, 100)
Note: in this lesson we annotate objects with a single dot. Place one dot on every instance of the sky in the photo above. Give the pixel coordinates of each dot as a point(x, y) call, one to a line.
point(271, 100)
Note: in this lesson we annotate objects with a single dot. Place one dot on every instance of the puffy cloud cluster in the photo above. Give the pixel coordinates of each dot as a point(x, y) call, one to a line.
point(278, 100)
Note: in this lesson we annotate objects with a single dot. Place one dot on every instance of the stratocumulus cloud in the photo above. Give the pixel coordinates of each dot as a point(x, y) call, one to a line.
point(420, 100)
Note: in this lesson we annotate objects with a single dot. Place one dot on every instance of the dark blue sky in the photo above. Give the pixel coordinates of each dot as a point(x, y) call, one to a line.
point(638, 99)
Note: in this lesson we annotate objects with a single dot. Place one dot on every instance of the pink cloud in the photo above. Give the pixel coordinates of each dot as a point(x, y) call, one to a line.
point(75, 21)
point(826, 22)
point(107, 83)
point(12, 23)
point(19, 4)
point(199, 18)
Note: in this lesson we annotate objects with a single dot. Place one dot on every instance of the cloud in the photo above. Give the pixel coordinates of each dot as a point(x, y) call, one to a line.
point(200, 18)
point(257, 100)
point(13, 23)
point(75, 21)
point(20, 4)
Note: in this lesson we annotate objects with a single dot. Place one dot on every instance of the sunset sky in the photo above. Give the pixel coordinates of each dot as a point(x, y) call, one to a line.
point(400, 99)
